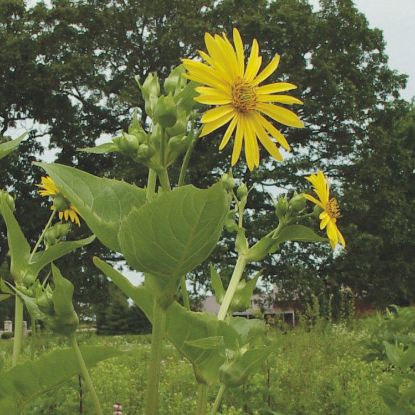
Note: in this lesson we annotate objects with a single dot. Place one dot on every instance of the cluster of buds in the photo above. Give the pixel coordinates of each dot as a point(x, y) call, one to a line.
point(56, 233)
point(286, 209)
point(171, 115)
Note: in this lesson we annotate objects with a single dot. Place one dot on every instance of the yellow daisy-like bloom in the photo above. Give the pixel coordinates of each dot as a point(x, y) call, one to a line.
point(239, 99)
point(67, 210)
point(330, 206)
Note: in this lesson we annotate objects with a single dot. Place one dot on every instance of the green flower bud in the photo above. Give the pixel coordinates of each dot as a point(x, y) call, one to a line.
point(145, 152)
point(242, 191)
point(60, 203)
point(56, 232)
point(228, 180)
point(180, 127)
point(45, 303)
point(230, 224)
point(127, 143)
point(297, 203)
point(150, 87)
point(165, 112)
point(316, 211)
point(281, 207)
point(175, 82)
point(8, 199)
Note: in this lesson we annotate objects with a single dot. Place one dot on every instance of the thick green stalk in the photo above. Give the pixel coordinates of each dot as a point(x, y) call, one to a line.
point(164, 180)
point(201, 399)
point(85, 375)
point(218, 399)
point(18, 330)
point(230, 292)
point(151, 184)
point(157, 335)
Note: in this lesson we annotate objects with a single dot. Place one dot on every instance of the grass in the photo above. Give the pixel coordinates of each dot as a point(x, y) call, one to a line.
point(317, 371)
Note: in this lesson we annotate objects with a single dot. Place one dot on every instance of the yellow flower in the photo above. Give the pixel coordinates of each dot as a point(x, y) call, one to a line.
point(239, 99)
point(66, 209)
point(331, 209)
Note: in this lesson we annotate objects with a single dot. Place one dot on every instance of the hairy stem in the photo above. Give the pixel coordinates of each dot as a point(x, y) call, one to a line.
point(157, 335)
point(85, 375)
point(18, 330)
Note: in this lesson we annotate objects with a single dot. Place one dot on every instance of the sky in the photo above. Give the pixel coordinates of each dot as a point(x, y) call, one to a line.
point(396, 18)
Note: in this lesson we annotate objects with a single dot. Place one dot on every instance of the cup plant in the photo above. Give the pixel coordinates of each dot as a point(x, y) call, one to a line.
point(166, 233)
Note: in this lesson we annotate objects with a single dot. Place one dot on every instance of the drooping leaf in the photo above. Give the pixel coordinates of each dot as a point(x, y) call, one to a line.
point(101, 149)
point(102, 203)
point(24, 382)
point(9, 146)
point(41, 259)
point(174, 233)
point(236, 372)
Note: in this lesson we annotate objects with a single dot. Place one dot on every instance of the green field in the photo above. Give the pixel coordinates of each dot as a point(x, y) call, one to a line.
point(312, 371)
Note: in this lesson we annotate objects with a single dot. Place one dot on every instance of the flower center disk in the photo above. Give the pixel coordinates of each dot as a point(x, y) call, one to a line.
point(243, 96)
point(333, 208)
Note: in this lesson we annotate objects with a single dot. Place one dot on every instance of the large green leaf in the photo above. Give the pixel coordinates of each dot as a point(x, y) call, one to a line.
point(176, 232)
point(9, 146)
point(103, 203)
point(24, 382)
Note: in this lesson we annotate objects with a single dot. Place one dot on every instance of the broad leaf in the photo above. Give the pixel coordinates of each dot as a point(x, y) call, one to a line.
point(174, 233)
point(101, 149)
point(103, 203)
point(24, 382)
point(9, 146)
point(236, 372)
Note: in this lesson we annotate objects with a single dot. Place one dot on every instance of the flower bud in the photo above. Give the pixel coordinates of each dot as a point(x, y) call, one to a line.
point(56, 232)
point(150, 87)
point(45, 303)
point(127, 143)
point(165, 112)
point(316, 211)
point(230, 224)
point(228, 181)
point(281, 207)
point(144, 152)
point(297, 203)
point(8, 199)
point(60, 203)
point(242, 191)
point(175, 81)
point(180, 127)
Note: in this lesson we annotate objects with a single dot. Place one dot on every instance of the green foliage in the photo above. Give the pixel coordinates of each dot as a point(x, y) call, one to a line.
point(7, 147)
point(23, 383)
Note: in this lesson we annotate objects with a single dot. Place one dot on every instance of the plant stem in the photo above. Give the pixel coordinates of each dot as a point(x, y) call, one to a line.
point(159, 325)
point(151, 184)
point(185, 294)
point(18, 330)
point(218, 399)
point(85, 375)
point(230, 292)
point(49, 222)
point(201, 399)
point(164, 179)
point(186, 159)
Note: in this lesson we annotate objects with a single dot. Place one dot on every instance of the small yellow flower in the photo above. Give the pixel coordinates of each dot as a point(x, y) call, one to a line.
point(239, 99)
point(330, 206)
point(66, 209)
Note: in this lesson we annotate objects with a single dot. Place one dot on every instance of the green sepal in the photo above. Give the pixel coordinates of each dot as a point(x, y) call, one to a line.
point(9, 146)
point(242, 298)
point(23, 383)
point(102, 203)
point(217, 286)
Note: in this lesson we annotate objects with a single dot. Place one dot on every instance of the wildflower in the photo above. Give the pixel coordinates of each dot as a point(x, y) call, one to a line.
point(66, 209)
point(239, 99)
point(330, 207)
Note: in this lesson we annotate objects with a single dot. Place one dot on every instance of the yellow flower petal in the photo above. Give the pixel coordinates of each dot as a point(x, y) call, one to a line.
point(266, 141)
point(214, 125)
point(240, 56)
point(280, 114)
point(254, 62)
point(215, 113)
point(268, 70)
point(274, 132)
point(283, 99)
point(237, 147)
point(228, 133)
point(276, 87)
